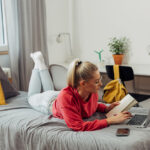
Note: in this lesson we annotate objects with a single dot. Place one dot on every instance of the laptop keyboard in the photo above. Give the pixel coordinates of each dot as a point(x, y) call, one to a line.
point(137, 120)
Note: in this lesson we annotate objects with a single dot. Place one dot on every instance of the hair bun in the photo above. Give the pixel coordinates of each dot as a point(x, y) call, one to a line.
point(78, 63)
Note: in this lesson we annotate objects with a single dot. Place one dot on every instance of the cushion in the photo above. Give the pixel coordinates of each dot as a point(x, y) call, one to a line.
point(2, 98)
point(9, 90)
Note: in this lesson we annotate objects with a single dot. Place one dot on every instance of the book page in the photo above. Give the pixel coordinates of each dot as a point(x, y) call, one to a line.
point(125, 104)
point(130, 105)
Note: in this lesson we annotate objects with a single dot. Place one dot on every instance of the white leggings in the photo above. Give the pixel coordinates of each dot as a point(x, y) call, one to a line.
point(41, 81)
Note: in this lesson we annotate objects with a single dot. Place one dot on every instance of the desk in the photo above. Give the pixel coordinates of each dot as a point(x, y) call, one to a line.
point(139, 70)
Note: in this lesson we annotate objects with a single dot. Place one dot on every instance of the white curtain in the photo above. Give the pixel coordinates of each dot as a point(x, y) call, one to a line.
point(26, 26)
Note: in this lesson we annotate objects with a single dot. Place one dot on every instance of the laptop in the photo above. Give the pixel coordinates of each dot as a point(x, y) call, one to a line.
point(140, 120)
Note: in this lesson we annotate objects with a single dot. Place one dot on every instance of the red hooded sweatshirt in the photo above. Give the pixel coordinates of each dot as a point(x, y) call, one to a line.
point(70, 107)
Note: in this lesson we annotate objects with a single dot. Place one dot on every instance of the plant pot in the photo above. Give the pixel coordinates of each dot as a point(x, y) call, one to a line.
point(118, 59)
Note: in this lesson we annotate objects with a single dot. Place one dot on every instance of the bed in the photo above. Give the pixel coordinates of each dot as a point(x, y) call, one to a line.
point(22, 128)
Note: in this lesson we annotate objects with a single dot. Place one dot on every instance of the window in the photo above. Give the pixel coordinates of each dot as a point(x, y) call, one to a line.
point(3, 37)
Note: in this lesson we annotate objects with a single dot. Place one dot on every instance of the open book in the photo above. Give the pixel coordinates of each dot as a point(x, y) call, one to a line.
point(125, 104)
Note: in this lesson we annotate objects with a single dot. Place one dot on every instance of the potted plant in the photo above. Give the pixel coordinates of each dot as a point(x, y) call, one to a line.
point(118, 46)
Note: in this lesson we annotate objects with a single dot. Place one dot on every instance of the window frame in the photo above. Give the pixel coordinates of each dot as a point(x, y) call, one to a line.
point(4, 46)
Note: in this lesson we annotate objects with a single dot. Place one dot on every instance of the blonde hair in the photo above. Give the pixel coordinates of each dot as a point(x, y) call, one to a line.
point(80, 70)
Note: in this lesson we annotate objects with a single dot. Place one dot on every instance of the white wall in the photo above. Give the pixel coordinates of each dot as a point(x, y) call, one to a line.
point(57, 22)
point(97, 20)
point(93, 22)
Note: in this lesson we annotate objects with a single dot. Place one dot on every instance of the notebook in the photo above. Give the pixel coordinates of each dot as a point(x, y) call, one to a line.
point(140, 120)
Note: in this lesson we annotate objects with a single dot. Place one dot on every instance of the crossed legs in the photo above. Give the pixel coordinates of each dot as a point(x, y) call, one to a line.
point(40, 80)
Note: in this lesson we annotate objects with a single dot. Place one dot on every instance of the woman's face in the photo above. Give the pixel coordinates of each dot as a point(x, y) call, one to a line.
point(94, 84)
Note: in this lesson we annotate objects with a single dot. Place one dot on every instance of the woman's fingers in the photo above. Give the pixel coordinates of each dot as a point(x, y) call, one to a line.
point(116, 103)
point(127, 115)
point(126, 112)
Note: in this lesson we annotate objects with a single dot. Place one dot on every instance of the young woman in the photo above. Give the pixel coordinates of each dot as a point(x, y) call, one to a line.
point(77, 101)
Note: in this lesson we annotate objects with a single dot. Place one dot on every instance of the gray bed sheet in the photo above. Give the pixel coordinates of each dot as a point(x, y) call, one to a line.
point(22, 128)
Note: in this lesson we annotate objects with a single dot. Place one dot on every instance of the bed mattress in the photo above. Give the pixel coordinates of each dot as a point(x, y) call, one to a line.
point(23, 128)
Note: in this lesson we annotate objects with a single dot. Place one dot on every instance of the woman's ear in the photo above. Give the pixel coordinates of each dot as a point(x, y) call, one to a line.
point(82, 83)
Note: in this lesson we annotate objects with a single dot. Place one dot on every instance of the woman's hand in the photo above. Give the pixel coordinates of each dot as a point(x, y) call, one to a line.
point(111, 106)
point(119, 118)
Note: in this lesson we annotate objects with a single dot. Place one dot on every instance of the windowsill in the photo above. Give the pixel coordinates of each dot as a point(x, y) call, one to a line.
point(4, 48)
point(3, 52)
